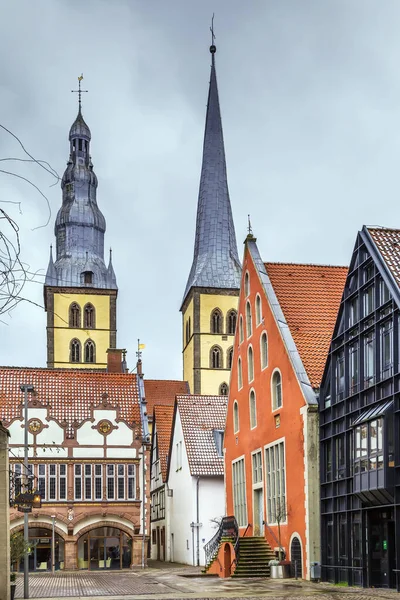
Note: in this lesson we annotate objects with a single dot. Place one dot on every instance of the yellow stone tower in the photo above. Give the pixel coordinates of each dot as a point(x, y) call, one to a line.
point(80, 292)
point(209, 308)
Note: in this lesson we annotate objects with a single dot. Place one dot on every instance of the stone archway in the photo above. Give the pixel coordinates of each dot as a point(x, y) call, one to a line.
point(105, 544)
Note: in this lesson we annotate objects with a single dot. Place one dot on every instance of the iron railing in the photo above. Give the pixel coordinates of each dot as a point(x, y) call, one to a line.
point(228, 528)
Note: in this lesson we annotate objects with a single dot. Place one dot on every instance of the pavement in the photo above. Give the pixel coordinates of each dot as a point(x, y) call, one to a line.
point(167, 581)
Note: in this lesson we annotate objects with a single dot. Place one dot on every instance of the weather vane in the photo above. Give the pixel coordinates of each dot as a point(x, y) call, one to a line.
point(212, 47)
point(79, 91)
point(249, 228)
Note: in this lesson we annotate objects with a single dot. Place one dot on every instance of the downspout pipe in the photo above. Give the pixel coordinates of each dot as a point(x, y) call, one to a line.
point(198, 522)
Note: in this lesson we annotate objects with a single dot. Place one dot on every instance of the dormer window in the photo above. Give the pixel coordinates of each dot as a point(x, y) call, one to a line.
point(219, 440)
point(87, 277)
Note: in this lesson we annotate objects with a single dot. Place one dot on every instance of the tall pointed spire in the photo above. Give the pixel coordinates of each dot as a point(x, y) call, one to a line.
point(215, 261)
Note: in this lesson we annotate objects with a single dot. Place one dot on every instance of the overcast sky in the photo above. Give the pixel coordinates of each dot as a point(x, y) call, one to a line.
point(310, 100)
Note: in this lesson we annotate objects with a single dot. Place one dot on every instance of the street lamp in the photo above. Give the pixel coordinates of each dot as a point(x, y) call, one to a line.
point(37, 499)
point(27, 389)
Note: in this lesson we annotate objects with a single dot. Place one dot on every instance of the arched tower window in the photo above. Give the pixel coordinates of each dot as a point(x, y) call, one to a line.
point(223, 389)
point(75, 315)
point(235, 417)
point(75, 351)
point(216, 321)
point(249, 325)
point(264, 350)
point(250, 363)
point(216, 357)
point(89, 316)
point(240, 377)
point(229, 358)
point(276, 390)
point(241, 336)
point(89, 351)
point(188, 330)
point(231, 322)
point(246, 284)
point(258, 310)
point(253, 409)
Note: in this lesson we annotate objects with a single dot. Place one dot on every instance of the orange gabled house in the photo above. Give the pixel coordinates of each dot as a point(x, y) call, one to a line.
point(286, 317)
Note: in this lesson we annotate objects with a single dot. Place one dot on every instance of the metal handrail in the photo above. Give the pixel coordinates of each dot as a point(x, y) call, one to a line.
point(227, 528)
point(272, 533)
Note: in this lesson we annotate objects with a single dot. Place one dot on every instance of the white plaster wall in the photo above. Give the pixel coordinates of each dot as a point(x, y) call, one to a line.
point(121, 452)
point(88, 452)
point(123, 436)
point(87, 436)
point(211, 506)
point(181, 508)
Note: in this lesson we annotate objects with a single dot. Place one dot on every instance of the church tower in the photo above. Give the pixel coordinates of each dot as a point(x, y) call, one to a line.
point(80, 291)
point(209, 308)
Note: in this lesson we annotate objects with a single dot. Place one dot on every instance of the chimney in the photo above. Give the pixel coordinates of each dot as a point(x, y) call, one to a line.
point(115, 362)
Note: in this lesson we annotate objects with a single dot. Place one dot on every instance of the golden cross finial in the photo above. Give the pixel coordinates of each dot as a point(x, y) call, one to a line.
point(79, 91)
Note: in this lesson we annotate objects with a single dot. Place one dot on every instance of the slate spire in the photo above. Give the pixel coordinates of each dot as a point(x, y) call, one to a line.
point(215, 261)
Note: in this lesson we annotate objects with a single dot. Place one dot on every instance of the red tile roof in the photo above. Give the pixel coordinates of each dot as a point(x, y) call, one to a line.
point(163, 392)
point(309, 296)
point(200, 415)
point(387, 242)
point(164, 417)
point(70, 394)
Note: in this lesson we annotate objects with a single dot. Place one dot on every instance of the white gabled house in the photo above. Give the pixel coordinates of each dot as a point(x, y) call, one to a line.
point(195, 497)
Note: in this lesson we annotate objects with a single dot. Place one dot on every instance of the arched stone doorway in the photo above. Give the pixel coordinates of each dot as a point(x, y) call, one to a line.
point(40, 539)
point(296, 560)
point(104, 548)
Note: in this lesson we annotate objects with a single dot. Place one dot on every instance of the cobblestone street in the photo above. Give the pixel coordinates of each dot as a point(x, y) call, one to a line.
point(177, 582)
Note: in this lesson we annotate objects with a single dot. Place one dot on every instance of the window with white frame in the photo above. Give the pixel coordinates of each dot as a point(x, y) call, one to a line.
point(131, 482)
point(264, 350)
point(62, 482)
point(240, 376)
point(98, 482)
point(249, 326)
point(239, 492)
point(246, 284)
point(53, 482)
point(121, 482)
point(178, 448)
point(257, 467)
point(241, 335)
point(110, 482)
point(88, 482)
point(253, 409)
point(235, 417)
point(258, 310)
point(78, 482)
point(42, 480)
point(275, 479)
point(276, 383)
point(250, 363)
